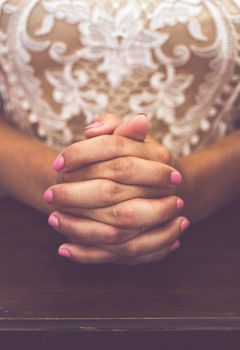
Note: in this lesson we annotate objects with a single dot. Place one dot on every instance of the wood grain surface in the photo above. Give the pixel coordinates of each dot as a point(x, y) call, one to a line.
point(190, 298)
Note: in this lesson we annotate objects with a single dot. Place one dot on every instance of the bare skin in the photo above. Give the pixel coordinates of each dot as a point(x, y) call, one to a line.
point(220, 154)
point(39, 175)
point(211, 180)
point(210, 175)
point(120, 239)
point(26, 168)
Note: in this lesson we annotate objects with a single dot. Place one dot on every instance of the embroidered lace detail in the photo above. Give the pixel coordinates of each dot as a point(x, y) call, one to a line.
point(122, 42)
point(64, 62)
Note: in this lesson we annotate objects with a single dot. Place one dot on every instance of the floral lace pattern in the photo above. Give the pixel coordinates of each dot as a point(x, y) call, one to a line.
point(65, 62)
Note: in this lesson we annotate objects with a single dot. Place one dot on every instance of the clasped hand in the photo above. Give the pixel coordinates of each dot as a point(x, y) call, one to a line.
point(115, 198)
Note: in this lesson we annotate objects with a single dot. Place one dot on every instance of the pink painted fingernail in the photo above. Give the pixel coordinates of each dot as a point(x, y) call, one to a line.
point(180, 204)
point(176, 245)
point(185, 224)
point(53, 221)
point(175, 178)
point(94, 125)
point(59, 163)
point(48, 196)
point(64, 252)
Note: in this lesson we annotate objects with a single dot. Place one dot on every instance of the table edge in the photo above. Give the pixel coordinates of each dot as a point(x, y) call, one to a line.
point(123, 324)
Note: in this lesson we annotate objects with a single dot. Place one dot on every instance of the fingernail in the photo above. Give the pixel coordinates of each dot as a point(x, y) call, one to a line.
point(176, 245)
point(185, 224)
point(59, 163)
point(94, 125)
point(180, 204)
point(64, 252)
point(145, 115)
point(48, 196)
point(53, 221)
point(175, 178)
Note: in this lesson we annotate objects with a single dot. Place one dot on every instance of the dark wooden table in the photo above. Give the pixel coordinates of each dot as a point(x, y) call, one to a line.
point(191, 300)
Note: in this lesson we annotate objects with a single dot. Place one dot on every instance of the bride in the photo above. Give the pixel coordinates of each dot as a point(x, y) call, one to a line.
point(119, 119)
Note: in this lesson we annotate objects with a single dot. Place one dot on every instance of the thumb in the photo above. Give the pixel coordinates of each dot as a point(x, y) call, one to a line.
point(137, 128)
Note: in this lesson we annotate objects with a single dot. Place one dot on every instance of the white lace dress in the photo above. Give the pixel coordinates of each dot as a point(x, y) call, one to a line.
point(65, 62)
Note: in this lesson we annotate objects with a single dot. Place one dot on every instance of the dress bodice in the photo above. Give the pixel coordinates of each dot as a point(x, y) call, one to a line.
point(65, 62)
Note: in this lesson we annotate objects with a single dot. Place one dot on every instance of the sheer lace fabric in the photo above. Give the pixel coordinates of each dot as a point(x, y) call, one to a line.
point(65, 62)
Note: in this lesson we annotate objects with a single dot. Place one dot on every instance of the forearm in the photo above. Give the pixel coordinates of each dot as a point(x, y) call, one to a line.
point(25, 167)
point(211, 177)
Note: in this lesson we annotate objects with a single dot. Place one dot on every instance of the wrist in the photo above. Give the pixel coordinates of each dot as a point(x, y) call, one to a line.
point(194, 189)
point(210, 178)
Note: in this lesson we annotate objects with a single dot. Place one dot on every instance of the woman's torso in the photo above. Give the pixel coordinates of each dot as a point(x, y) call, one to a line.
point(63, 63)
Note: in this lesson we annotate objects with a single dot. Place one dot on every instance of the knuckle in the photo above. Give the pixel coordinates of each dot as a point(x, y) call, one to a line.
point(122, 215)
point(106, 140)
point(121, 168)
point(129, 250)
point(110, 192)
point(116, 143)
point(114, 236)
